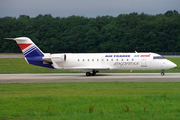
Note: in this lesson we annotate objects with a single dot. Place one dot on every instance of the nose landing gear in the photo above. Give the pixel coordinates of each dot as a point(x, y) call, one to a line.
point(162, 73)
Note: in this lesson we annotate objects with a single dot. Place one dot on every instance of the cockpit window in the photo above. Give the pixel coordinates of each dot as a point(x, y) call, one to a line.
point(158, 57)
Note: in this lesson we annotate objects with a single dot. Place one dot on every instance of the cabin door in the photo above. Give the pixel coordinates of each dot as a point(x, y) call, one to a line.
point(143, 62)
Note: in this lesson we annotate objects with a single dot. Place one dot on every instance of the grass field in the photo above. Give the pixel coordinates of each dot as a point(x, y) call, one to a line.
point(19, 65)
point(87, 101)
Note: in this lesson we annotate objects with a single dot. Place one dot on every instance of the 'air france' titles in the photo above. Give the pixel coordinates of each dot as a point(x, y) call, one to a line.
point(127, 55)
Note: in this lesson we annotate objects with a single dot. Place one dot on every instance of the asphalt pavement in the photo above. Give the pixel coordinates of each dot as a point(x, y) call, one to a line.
point(80, 77)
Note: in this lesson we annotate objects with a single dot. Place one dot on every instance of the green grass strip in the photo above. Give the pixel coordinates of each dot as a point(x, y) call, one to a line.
point(87, 101)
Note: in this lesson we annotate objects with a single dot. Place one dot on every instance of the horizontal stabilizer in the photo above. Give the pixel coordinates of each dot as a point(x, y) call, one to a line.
point(9, 38)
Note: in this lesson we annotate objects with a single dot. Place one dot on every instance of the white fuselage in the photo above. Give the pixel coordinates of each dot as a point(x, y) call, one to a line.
point(113, 61)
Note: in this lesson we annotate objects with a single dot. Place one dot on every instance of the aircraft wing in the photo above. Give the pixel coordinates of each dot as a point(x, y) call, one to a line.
point(91, 68)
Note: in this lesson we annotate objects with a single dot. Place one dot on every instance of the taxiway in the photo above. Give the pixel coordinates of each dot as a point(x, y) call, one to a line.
point(80, 77)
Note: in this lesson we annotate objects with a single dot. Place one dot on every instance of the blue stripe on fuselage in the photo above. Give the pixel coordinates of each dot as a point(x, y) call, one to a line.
point(34, 56)
point(38, 61)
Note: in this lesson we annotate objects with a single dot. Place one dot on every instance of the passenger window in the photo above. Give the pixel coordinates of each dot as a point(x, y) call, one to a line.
point(78, 59)
point(116, 59)
point(122, 59)
point(111, 59)
point(107, 60)
point(97, 59)
point(127, 59)
point(83, 59)
point(88, 59)
point(92, 59)
point(132, 59)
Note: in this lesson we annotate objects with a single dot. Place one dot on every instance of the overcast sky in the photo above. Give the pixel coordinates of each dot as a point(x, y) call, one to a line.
point(86, 8)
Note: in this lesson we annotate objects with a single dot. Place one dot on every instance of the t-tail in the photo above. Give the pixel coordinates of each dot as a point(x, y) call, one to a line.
point(32, 53)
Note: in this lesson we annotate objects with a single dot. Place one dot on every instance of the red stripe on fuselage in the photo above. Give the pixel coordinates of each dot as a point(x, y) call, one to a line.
point(23, 46)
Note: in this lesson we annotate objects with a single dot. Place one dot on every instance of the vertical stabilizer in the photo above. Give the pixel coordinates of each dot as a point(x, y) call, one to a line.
point(32, 53)
point(28, 48)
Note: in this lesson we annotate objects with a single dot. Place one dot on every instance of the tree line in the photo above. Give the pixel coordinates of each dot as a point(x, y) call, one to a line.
point(78, 34)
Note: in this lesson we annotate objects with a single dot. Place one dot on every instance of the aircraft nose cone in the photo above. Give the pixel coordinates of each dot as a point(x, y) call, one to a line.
point(173, 65)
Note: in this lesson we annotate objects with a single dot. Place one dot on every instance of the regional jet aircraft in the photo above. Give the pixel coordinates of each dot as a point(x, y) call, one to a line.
point(92, 63)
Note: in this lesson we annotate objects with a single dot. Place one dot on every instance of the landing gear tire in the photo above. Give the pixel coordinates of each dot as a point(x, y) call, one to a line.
point(88, 74)
point(94, 73)
point(162, 73)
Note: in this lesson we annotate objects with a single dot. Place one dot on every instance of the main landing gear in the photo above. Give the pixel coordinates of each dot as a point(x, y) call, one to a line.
point(93, 73)
point(162, 73)
point(88, 74)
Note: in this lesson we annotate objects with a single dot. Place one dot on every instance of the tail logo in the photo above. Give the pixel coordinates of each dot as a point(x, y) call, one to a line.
point(30, 50)
point(23, 46)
